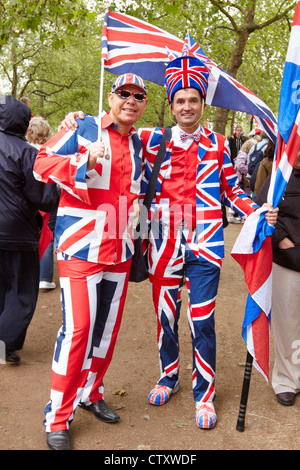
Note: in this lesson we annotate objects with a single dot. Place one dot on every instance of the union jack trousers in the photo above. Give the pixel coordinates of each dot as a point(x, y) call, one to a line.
point(93, 298)
point(171, 258)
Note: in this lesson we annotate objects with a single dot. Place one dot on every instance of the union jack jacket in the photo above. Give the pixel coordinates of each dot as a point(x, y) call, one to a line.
point(216, 181)
point(96, 211)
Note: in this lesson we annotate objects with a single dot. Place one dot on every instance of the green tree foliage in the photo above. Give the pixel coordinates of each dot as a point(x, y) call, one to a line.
point(49, 18)
point(50, 50)
point(51, 54)
point(248, 39)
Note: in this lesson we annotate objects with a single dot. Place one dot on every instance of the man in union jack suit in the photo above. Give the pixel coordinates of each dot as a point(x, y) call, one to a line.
point(186, 235)
point(99, 181)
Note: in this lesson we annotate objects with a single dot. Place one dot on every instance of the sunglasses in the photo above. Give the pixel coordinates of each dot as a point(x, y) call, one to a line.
point(126, 94)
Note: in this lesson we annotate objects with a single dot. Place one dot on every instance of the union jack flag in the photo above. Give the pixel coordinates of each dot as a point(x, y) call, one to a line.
point(132, 45)
point(253, 249)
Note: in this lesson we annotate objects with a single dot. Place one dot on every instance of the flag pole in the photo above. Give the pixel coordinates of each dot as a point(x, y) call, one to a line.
point(101, 98)
point(245, 392)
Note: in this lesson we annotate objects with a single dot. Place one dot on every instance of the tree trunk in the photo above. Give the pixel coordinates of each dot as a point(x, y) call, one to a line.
point(220, 121)
point(236, 61)
point(14, 81)
point(161, 115)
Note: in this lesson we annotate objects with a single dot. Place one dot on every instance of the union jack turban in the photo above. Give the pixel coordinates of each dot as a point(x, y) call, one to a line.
point(129, 79)
point(186, 72)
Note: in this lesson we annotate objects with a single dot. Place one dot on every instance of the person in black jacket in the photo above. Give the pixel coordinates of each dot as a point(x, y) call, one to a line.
point(285, 289)
point(21, 198)
point(235, 142)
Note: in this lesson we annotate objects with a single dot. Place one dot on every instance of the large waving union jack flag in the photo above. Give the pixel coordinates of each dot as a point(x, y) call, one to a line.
point(132, 45)
point(253, 249)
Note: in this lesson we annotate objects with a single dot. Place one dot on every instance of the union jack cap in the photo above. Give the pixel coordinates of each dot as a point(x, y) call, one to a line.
point(186, 72)
point(129, 79)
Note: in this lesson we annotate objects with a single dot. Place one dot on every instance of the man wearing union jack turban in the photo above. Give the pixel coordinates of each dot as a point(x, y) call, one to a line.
point(186, 72)
point(186, 232)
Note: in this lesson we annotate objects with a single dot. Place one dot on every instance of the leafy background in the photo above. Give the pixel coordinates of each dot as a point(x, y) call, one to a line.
point(50, 51)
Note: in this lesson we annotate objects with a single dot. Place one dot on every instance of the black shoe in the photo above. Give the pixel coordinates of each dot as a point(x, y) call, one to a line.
point(12, 356)
point(59, 440)
point(286, 398)
point(102, 411)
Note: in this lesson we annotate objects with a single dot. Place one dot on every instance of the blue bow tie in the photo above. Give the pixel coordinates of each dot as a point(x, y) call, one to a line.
point(196, 136)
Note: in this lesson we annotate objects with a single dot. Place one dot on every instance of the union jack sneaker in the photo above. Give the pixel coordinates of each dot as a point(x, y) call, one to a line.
point(206, 417)
point(160, 394)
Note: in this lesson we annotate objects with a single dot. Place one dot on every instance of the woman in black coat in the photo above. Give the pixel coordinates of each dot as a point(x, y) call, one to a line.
point(286, 289)
point(21, 198)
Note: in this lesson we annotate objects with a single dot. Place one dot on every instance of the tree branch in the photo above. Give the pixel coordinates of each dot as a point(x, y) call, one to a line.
point(219, 5)
point(6, 72)
point(61, 87)
point(275, 18)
